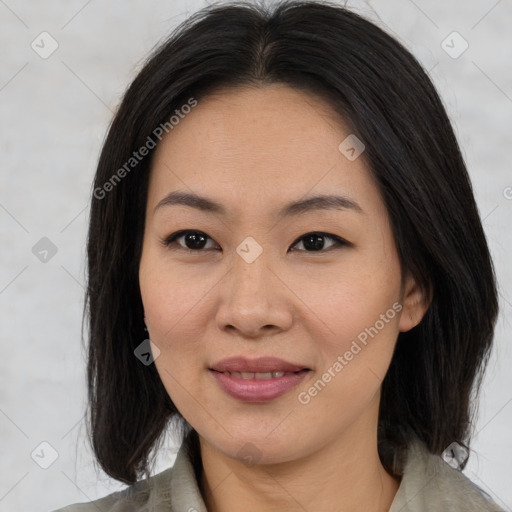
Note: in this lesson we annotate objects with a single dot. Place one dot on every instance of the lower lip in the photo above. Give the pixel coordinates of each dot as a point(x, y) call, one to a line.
point(257, 390)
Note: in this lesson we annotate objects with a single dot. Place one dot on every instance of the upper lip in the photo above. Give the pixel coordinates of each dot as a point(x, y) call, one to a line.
point(259, 365)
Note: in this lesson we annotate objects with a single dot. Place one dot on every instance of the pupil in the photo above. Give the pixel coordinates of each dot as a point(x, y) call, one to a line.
point(314, 242)
point(194, 237)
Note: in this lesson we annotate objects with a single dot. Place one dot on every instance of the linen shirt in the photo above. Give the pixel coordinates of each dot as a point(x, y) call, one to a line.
point(428, 483)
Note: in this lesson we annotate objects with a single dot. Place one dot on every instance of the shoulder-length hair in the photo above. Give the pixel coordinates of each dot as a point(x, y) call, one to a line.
point(390, 103)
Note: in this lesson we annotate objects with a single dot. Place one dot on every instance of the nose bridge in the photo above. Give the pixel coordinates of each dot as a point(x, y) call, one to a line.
point(251, 299)
point(250, 266)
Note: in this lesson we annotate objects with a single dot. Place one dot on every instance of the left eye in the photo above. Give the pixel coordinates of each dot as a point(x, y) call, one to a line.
point(198, 240)
point(315, 240)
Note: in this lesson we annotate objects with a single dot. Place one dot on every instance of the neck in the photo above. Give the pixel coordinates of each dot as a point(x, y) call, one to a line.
point(343, 476)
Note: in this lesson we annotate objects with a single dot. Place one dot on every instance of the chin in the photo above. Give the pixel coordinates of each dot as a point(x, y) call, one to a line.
point(257, 448)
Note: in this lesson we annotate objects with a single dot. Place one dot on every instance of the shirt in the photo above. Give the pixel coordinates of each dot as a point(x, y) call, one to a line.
point(428, 483)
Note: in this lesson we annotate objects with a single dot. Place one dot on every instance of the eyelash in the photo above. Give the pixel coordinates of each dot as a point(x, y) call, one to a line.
point(171, 239)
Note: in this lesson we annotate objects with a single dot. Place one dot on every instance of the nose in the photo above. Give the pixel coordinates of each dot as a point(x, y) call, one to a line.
point(254, 300)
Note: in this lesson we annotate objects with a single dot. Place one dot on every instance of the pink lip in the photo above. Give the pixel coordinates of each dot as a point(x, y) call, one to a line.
point(257, 390)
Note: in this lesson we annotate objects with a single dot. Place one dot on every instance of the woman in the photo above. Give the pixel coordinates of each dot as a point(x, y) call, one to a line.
point(282, 208)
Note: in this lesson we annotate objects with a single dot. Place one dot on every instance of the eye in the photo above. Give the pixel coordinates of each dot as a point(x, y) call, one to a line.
point(315, 241)
point(196, 240)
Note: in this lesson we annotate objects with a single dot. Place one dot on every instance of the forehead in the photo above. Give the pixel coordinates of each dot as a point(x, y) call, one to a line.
point(258, 144)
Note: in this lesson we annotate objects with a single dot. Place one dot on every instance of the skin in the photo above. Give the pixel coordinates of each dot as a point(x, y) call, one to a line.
point(254, 150)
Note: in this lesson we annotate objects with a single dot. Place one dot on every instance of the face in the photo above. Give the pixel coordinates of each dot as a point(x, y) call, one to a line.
point(317, 287)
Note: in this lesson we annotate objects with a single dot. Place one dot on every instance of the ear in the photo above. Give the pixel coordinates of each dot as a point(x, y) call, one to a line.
point(415, 303)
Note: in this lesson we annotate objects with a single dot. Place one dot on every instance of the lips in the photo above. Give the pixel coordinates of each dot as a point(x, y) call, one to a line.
point(258, 375)
point(257, 367)
point(257, 380)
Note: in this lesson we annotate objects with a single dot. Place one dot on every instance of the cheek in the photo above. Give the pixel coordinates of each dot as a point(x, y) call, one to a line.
point(359, 311)
point(178, 305)
point(354, 357)
point(353, 297)
point(173, 306)
point(174, 299)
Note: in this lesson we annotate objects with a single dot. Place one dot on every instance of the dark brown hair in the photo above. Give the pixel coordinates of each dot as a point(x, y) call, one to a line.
point(390, 103)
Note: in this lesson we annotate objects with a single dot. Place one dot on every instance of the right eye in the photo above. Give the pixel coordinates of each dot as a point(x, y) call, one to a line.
point(194, 240)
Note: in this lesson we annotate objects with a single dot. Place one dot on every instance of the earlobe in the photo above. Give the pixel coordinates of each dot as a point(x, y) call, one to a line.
point(415, 302)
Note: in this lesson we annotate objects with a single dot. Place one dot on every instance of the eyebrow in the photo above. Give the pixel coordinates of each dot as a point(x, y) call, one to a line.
point(315, 203)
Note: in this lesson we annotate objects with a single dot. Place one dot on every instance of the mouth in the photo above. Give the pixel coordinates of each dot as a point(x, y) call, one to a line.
point(262, 367)
point(258, 380)
point(260, 375)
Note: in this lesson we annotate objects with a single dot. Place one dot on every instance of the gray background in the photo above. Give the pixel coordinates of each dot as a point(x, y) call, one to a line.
point(54, 115)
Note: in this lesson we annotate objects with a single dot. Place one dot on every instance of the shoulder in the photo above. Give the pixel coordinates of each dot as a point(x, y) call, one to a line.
point(144, 495)
point(429, 483)
point(175, 488)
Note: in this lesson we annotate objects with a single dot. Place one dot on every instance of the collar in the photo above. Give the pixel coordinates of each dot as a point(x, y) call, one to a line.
point(427, 483)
